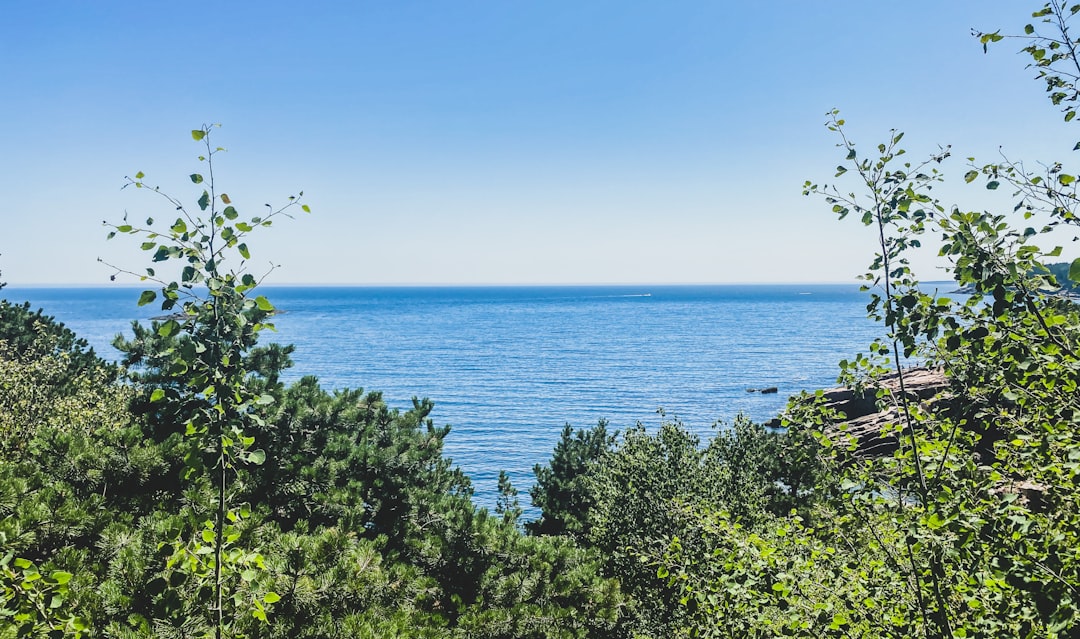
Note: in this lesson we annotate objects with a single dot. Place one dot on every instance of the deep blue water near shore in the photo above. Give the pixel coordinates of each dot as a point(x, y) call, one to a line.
point(508, 366)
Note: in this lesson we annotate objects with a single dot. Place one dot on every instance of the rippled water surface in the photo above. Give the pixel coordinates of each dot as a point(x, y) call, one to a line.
point(508, 366)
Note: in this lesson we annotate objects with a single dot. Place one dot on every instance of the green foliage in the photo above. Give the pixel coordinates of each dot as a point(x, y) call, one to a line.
point(1065, 275)
point(32, 602)
point(970, 528)
point(627, 497)
point(52, 387)
point(560, 490)
point(48, 380)
point(201, 494)
point(203, 389)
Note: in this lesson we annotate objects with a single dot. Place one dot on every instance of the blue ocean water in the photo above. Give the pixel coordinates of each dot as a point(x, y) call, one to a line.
point(507, 367)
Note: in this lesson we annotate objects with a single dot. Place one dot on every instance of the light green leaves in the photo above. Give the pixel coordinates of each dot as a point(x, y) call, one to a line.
point(168, 328)
point(205, 383)
point(987, 38)
point(1074, 270)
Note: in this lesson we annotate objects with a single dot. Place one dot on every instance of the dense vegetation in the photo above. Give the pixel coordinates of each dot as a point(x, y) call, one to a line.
point(187, 492)
point(1060, 271)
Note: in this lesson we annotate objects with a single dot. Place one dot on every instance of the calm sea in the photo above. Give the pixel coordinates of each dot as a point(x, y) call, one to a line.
point(507, 367)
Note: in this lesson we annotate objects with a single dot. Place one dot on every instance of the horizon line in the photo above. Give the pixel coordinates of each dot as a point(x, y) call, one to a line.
point(134, 285)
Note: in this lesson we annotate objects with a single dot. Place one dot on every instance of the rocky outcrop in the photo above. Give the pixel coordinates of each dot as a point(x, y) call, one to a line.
point(865, 423)
point(873, 428)
point(770, 390)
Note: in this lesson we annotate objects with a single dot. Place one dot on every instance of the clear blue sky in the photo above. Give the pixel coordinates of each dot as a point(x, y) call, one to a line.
point(496, 142)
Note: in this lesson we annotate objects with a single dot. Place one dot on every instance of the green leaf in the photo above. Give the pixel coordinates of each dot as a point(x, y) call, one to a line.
point(257, 457)
point(157, 395)
point(306, 208)
point(61, 577)
point(123, 228)
point(196, 178)
point(168, 328)
point(204, 201)
point(230, 213)
point(970, 176)
point(264, 304)
point(1074, 270)
point(265, 400)
point(1066, 179)
point(198, 134)
point(244, 251)
point(992, 185)
point(147, 297)
point(271, 597)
